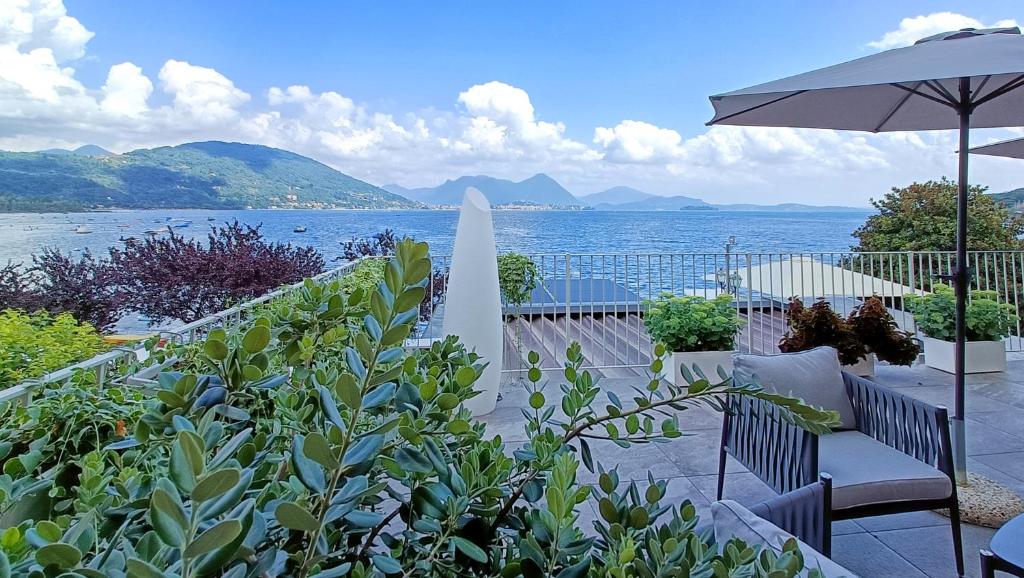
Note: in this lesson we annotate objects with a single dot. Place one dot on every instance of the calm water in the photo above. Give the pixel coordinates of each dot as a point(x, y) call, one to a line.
point(522, 231)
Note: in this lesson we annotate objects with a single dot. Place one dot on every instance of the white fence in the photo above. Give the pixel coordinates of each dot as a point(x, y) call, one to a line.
point(598, 300)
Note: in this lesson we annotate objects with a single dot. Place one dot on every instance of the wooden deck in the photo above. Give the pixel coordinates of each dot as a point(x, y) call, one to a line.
point(616, 345)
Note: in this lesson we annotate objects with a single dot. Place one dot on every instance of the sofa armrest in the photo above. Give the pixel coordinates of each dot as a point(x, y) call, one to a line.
point(916, 428)
point(781, 454)
point(805, 513)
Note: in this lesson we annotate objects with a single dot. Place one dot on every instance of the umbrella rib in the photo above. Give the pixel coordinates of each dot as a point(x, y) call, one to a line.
point(753, 108)
point(1008, 87)
point(923, 95)
point(894, 110)
point(940, 90)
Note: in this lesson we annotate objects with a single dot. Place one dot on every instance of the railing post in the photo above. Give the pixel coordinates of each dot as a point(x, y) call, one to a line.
point(568, 307)
point(750, 304)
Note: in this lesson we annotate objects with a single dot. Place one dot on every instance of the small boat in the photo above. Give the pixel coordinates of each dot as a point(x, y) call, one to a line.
point(82, 230)
point(299, 229)
point(157, 230)
point(179, 223)
point(211, 218)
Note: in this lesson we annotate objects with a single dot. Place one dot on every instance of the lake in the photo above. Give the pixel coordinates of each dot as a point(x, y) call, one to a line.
point(21, 235)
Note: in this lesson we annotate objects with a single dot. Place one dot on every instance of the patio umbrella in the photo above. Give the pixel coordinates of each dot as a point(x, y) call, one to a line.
point(953, 80)
point(1013, 148)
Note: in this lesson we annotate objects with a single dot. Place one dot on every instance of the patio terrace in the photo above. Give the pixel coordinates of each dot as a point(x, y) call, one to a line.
point(898, 546)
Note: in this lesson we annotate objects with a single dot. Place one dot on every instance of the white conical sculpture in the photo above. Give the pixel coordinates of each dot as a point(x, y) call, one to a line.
point(472, 309)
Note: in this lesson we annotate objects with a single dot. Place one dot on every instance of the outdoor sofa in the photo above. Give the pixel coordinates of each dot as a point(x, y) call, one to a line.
point(891, 454)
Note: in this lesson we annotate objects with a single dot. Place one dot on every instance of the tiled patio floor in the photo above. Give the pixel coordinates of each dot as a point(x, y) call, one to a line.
point(896, 546)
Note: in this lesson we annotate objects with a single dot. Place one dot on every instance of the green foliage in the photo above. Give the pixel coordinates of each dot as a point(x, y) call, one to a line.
point(922, 217)
point(213, 175)
point(517, 278)
point(870, 328)
point(361, 461)
point(692, 323)
point(34, 344)
point(987, 319)
point(365, 277)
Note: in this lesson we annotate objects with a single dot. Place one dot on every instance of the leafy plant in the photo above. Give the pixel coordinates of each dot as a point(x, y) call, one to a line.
point(366, 464)
point(819, 325)
point(517, 278)
point(34, 345)
point(172, 277)
point(987, 319)
point(870, 328)
point(878, 331)
point(692, 323)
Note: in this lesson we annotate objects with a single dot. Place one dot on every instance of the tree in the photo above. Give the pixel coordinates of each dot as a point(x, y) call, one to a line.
point(922, 217)
point(177, 278)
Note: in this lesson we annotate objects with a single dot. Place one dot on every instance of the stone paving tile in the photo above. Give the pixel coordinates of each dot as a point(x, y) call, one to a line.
point(984, 439)
point(633, 463)
point(697, 453)
point(867, 557)
point(903, 521)
point(744, 487)
point(1007, 421)
point(931, 549)
point(1009, 468)
point(943, 395)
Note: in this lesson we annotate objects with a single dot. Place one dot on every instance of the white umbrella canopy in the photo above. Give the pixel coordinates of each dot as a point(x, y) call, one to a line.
point(956, 79)
point(1013, 148)
point(911, 88)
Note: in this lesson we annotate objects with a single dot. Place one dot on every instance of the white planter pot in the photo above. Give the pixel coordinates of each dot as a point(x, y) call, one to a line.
point(707, 361)
point(981, 356)
point(865, 367)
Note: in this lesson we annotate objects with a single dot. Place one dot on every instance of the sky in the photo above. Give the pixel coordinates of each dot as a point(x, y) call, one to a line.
point(595, 94)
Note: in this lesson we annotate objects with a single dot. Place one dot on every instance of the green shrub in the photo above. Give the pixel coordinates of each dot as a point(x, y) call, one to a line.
point(692, 323)
point(365, 276)
point(366, 464)
point(32, 345)
point(987, 319)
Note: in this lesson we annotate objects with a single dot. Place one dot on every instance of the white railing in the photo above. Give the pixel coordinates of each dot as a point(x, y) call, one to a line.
point(598, 300)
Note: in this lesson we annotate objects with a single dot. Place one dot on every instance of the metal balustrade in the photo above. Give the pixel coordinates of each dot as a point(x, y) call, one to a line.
point(599, 299)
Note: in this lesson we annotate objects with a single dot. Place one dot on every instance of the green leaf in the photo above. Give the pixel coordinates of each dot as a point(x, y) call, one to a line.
point(458, 426)
point(470, 549)
point(142, 569)
point(412, 460)
point(348, 391)
point(252, 373)
point(578, 570)
point(63, 556)
point(386, 564)
point(537, 400)
point(256, 339)
point(215, 349)
point(216, 536)
point(308, 471)
point(216, 484)
point(168, 518)
point(318, 449)
point(465, 376)
point(363, 450)
point(295, 517)
point(187, 461)
point(447, 401)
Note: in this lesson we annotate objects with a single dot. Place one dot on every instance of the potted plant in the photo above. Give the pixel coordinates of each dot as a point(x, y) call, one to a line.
point(517, 278)
point(868, 333)
point(988, 323)
point(699, 332)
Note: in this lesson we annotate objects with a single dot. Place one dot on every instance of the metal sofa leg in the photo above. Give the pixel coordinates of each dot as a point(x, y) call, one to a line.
point(721, 472)
point(988, 569)
point(958, 541)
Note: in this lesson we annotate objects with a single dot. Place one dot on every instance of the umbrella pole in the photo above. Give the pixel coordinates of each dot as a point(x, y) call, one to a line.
point(961, 281)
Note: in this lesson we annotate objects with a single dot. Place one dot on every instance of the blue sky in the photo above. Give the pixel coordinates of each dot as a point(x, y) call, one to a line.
point(597, 94)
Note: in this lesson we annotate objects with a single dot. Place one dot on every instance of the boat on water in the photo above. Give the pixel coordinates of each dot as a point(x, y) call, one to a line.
point(179, 223)
point(82, 230)
point(157, 230)
point(299, 229)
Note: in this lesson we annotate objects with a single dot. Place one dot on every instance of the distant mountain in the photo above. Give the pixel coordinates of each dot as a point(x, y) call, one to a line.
point(616, 196)
point(787, 207)
point(89, 150)
point(656, 203)
point(1013, 200)
point(207, 175)
point(539, 189)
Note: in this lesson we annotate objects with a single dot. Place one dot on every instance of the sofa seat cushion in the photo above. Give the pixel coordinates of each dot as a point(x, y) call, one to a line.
point(814, 376)
point(865, 471)
point(733, 520)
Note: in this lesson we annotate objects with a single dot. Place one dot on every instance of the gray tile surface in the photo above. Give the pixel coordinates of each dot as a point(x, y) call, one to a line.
point(904, 545)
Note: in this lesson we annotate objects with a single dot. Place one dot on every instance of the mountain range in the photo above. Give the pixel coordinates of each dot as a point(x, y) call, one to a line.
point(539, 189)
point(206, 175)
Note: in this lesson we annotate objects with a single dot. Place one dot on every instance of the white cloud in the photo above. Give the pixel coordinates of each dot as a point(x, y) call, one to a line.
point(915, 28)
point(126, 90)
point(489, 128)
point(202, 93)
